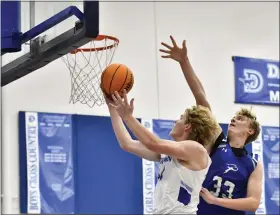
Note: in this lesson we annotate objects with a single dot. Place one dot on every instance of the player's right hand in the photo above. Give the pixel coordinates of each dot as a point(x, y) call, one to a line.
point(121, 105)
point(175, 52)
point(107, 98)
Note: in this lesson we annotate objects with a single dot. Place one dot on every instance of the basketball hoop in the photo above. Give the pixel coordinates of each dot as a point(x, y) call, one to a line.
point(86, 66)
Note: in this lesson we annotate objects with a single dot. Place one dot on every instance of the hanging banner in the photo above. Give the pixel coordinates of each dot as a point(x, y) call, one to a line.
point(148, 175)
point(256, 81)
point(270, 137)
point(256, 148)
point(50, 177)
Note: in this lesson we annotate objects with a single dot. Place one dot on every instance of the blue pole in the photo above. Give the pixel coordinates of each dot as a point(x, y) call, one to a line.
point(10, 26)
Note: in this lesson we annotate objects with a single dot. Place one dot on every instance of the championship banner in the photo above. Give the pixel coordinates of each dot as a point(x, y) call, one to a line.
point(256, 81)
point(270, 136)
point(50, 177)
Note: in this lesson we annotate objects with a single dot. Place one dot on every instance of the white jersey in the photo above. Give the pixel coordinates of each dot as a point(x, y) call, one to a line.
point(177, 190)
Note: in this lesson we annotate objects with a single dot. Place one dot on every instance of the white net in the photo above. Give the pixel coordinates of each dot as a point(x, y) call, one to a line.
point(86, 66)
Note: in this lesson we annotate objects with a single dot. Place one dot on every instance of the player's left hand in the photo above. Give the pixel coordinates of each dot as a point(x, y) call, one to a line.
point(207, 196)
point(122, 106)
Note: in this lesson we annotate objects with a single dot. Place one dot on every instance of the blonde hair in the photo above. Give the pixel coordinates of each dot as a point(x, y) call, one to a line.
point(203, 124)
point(254, 124)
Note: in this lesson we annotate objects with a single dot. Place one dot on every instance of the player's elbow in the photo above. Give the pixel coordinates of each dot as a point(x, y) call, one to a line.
point(253, 208)
point(129, 146)
point(254, 205)
point(126, 146)
point(200, 98)
point(200, 95)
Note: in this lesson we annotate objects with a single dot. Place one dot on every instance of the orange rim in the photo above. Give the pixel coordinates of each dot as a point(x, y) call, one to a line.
point(98, 38)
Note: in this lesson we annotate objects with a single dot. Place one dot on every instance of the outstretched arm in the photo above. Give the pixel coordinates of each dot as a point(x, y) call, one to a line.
point(250, 203)
point(184, 150)
point(180, 55)
point(126, 142)
point(194, 83)
point(124, 138)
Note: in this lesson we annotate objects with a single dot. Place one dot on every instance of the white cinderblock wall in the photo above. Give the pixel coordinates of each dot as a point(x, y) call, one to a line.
point(214, 33)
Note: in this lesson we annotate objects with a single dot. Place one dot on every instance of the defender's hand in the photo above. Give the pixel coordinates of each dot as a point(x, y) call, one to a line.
point(175, 52)
point(207, 196)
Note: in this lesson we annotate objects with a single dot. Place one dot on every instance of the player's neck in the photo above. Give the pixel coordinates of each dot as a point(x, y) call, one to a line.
point(237, 142)
point(179, 139)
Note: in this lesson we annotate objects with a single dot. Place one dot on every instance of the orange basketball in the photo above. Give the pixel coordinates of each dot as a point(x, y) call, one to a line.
point(117, 77)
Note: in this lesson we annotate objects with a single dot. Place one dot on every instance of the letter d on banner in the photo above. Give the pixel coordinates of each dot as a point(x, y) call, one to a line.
point(32, 157)
point(148, 169)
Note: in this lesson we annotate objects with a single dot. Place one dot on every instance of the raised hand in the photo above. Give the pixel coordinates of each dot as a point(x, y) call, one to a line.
point(121, 105)
point(107, 98)
point(175, 52)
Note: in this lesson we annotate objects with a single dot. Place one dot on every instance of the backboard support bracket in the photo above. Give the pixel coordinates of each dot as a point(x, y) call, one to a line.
point(29, 62)
point(36, 44)
point(42, 53)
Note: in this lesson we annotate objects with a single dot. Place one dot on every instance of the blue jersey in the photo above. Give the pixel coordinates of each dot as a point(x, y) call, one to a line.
point(227, 177)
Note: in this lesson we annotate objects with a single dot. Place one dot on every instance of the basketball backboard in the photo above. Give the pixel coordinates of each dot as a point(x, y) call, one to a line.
point(36, 33)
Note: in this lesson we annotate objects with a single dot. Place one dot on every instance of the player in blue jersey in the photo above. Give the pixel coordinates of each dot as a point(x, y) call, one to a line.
point(233, 184)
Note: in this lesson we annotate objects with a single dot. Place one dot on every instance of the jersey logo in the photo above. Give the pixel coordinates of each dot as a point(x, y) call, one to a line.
point(224, 140)
point(222, 145)
point(224, 149)
point(165, 159)
point(160, 175)
point(231, 167)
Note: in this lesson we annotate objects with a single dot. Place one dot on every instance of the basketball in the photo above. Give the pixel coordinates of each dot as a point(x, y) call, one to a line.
point(117, 77)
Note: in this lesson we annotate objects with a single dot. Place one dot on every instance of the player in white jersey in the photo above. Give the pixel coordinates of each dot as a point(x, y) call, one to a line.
point(184, 162)
point(178, 187)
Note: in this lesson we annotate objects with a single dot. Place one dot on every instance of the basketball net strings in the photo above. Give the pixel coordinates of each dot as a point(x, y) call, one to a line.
point(85, 80)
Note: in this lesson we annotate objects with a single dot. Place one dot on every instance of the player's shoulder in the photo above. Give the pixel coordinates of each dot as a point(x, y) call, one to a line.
point(200, 155)
point(257, 169)
point(252, 162)
point(191, 142)
point(255, 159)
point(197, 148)
point(221, 141)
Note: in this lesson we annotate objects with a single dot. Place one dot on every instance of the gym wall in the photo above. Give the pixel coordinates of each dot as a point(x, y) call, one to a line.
point(214, 33)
